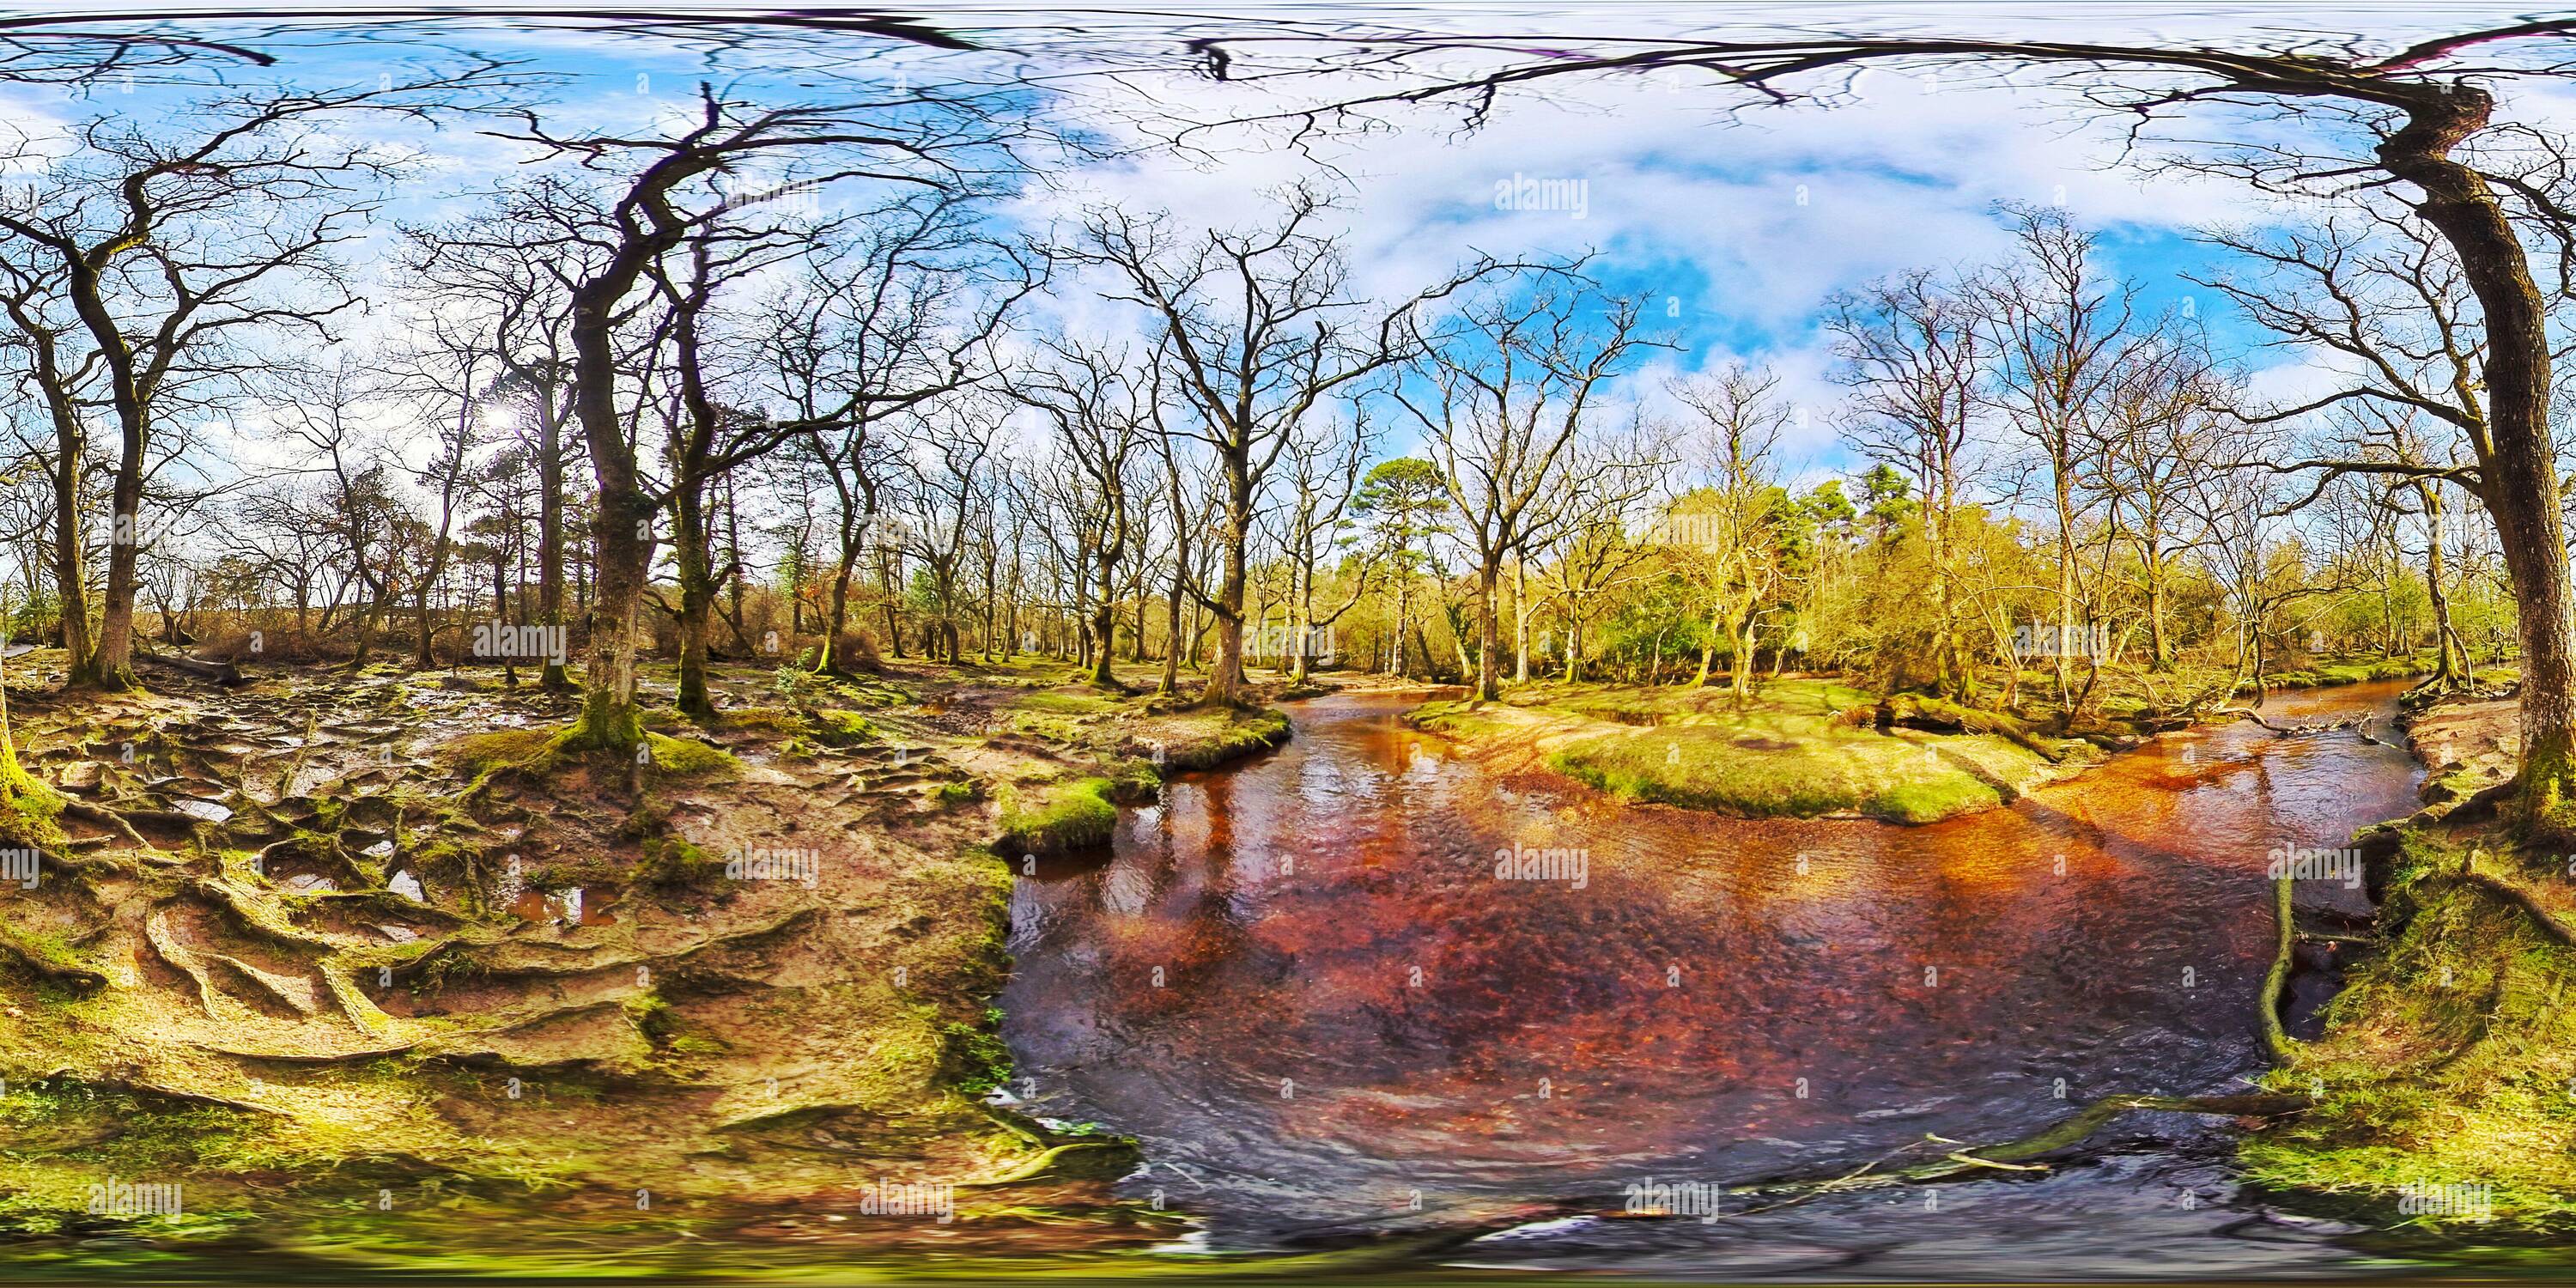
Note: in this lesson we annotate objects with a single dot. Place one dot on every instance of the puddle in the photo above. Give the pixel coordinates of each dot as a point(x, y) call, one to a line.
point(200, 809)
point(572, 907)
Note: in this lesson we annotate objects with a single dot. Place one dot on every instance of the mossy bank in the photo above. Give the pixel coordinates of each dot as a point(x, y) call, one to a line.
point(1803, 748)
point(2445, 1078)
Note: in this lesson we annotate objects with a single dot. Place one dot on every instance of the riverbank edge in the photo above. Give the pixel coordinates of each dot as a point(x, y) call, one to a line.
point(1819, 764)
point(2443, 1085)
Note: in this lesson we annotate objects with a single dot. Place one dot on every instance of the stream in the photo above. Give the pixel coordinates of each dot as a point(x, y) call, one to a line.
point(1301, 985)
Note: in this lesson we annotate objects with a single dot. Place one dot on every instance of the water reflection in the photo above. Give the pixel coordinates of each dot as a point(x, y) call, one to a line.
point(1303, 985)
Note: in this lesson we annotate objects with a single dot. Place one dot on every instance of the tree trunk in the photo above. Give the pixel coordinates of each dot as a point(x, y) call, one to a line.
point(71, 578)
point(1520, 619)
point(1171, 682)
point(111, 664)
point(1488, 630)
point(550, 543)
point(697, 598)
point(2518, 473)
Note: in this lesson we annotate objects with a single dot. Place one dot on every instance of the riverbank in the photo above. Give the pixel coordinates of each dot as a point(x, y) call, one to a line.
point(1818, 748)
point(2445, 1078)
point(1804, 748)
point(370, 972)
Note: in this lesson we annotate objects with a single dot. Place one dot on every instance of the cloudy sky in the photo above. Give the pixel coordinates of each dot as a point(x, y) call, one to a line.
point(1735, 227)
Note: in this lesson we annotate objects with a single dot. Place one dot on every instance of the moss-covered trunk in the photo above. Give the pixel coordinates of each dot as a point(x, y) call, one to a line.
point(2518, 473)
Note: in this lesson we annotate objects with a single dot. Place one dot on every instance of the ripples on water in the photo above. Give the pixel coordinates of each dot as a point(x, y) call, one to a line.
point(1301, 985)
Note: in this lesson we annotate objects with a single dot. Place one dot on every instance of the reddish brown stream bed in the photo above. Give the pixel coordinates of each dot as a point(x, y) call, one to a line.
point(1301, 985)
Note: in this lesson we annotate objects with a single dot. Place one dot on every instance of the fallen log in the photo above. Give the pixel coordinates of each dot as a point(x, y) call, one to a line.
point(2359, 725)
point(223, 673)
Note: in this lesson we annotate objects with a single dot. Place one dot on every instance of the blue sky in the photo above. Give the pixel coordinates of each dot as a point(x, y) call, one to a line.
point(1746, 224)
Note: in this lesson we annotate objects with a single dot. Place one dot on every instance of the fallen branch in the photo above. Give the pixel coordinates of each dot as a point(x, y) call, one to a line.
point(2010, 1155)
point(2358, 724)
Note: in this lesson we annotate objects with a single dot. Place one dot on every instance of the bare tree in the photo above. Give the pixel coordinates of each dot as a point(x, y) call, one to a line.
point(1099, 402)
point(2422, 116)
point(1509, 392)
point(672, 188)
point(1731, 521)
point(1259, 327)
point(159, 248)
point(1914, 351)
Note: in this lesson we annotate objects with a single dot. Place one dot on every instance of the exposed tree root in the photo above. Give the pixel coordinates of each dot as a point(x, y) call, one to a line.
point(471, 956)
point(177, 956)
point(1040, 1165)
point(2276, 981)
point(156, 1091)
point(275, 989)
point(76, 978)
point(312, 1058)
point(2541, 918)
point(107, 818)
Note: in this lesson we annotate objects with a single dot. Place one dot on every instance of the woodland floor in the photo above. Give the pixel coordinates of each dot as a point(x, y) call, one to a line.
point(377, 976)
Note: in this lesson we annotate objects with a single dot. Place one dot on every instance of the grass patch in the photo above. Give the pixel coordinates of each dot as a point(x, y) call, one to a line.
point(1218, 737)
point(1056, 817)
point(1792, 749)
point(2326, 675)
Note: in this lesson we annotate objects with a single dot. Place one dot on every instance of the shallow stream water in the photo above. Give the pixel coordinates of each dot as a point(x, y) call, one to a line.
point(1302, 985)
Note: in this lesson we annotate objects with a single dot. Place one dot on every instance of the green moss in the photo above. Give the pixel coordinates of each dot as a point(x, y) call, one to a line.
point(2449, 1059)
point(30, 815)
point(675, 863)
point(782, 721)
point(975, 1059)
point(2356, 671)
point(686, 759)
point(1054, 818)
point(507, 749)
point(1797, 748)
point(1932, 800)
point(1223, 737)
point(842, 728)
